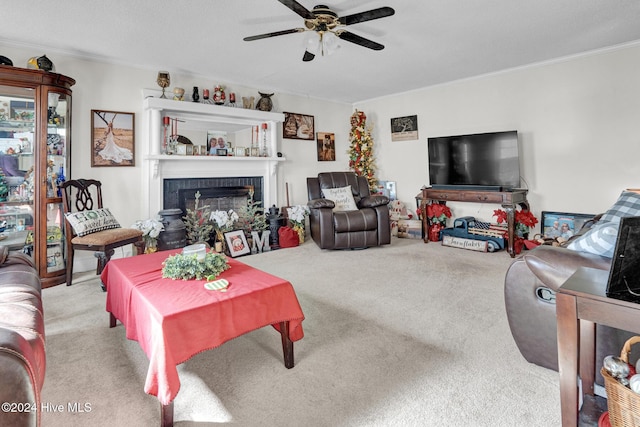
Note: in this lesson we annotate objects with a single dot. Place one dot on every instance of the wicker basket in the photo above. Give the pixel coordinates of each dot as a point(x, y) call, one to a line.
point(622, 402)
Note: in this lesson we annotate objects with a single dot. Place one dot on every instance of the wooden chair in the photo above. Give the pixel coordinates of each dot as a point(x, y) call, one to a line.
point(84, 195)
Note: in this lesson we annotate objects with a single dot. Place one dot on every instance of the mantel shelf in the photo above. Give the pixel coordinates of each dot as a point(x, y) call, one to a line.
point(208, 111)
point(181, 158)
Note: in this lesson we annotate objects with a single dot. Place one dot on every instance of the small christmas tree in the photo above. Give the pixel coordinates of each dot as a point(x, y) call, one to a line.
point(197, 223)
point(361, 159)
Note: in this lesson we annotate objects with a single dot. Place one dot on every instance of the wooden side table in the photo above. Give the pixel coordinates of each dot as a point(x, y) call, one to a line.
point(581, 302)
point(509, 200)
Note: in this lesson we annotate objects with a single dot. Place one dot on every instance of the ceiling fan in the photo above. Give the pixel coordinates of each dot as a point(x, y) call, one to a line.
point(328, 24)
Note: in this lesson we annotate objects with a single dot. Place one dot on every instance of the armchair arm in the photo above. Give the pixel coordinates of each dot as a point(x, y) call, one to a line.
point(373, 201)
point(321, 204)
point(554, 265)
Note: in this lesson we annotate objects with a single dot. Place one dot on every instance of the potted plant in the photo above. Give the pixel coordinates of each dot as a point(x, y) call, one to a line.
point(151, 229)
point(524, 220)
point(297, 217)
point(197, 224)
point(223, 222)
point(437, 214)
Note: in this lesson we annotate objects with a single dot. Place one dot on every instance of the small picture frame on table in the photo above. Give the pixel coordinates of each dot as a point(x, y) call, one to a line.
point(562, 224)
point(237, 243)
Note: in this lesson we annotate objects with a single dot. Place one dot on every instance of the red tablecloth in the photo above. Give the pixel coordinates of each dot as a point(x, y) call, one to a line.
point(175, 319)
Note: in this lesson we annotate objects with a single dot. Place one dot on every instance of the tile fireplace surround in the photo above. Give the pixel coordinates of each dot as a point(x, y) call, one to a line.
point(203, 117)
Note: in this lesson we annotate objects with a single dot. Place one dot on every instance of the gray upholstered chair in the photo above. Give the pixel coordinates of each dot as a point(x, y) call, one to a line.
point(364, 224)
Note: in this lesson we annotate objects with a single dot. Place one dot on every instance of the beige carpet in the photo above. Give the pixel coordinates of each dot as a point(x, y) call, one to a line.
point(410, 334)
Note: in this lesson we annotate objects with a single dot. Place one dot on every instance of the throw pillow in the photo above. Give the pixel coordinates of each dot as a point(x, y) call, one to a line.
point(342, 197)
point(600, 240)
point(628, 204)
point(87, 222)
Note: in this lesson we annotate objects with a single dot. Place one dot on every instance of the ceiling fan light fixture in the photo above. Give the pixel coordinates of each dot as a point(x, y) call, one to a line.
point(313, 43)
point(330, 43)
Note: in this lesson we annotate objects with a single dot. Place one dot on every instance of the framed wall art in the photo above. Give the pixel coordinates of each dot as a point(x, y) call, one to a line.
point(237, 243)
point(112, 138)
point(326, 147)
point(562, 224)
point(404, 128)
point(298, 126)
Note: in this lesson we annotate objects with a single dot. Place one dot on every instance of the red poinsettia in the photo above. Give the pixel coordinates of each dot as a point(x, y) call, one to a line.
point(523, 219)
point(438, 213)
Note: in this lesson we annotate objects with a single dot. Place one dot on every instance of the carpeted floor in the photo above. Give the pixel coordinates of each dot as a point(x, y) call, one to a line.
point(410, 334)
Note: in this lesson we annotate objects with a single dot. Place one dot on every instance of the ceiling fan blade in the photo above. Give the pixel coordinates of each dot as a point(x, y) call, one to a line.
point(277, 33)
point(354, 38)
point(381, 12)
point(298, 8)
point(308, 56)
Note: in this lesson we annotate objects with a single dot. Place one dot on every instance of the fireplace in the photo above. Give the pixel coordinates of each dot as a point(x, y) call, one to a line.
point(222, 193)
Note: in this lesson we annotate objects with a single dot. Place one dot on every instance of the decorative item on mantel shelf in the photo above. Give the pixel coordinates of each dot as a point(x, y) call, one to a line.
point(524, 220)
point(218, 95)
point(297, 216)
point(223, 222)
point(151, 229)
point(197, 224)
point(437, 214)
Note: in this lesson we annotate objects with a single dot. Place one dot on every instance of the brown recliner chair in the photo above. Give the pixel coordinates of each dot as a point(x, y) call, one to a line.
point(530, 286)
point(365, 226)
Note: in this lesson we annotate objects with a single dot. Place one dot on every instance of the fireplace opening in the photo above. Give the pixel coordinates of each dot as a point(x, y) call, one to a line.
point(218, 199)
point(217, 193)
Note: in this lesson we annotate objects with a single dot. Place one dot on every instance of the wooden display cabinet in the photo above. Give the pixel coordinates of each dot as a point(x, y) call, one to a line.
point(35, 149)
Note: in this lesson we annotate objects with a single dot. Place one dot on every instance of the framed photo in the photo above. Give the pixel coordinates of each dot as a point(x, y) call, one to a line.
point(404, 128)
point(215, 141)
point(240, 151)
point(237, 243)
point(55, 260)
point(298, 126)
point(112, 138)
point(562, 224)
point(326, 147)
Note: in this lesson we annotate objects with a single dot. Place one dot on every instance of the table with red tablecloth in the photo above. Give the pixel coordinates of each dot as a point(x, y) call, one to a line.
point(173, 320)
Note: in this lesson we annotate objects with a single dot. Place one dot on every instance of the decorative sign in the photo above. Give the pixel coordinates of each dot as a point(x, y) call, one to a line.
point(404, 128)
point(462, 243)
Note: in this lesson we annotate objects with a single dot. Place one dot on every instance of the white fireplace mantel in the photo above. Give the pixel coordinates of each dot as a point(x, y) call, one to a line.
point(157, 167)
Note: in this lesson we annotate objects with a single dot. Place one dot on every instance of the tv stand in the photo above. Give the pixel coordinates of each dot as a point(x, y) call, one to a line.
point(509, 200)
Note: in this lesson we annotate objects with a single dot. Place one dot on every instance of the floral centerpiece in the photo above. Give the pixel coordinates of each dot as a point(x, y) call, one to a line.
point(151, 229)
point(197, 224)
point(437, 214)
point(188, 267)
point(297, 217)
point(524, 220)
point(223, 222)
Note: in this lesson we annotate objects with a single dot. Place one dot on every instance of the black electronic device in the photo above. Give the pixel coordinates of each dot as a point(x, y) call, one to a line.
point(483, 161)
point(624, 276)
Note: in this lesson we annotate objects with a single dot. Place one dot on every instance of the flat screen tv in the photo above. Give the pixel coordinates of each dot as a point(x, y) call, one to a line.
point(483, 161)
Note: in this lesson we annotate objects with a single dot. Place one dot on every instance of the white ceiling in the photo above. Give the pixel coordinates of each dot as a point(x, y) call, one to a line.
point(427, 42)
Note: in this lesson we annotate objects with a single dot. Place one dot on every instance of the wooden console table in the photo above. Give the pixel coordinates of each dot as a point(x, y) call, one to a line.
point(581, 302)
point(508, 199)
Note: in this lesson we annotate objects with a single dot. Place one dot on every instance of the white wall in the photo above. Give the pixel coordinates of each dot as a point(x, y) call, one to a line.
point(578, 121)
point(119, 88)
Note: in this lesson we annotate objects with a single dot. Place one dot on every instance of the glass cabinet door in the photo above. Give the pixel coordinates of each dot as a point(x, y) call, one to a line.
point(17, 142)
point(57, 148)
